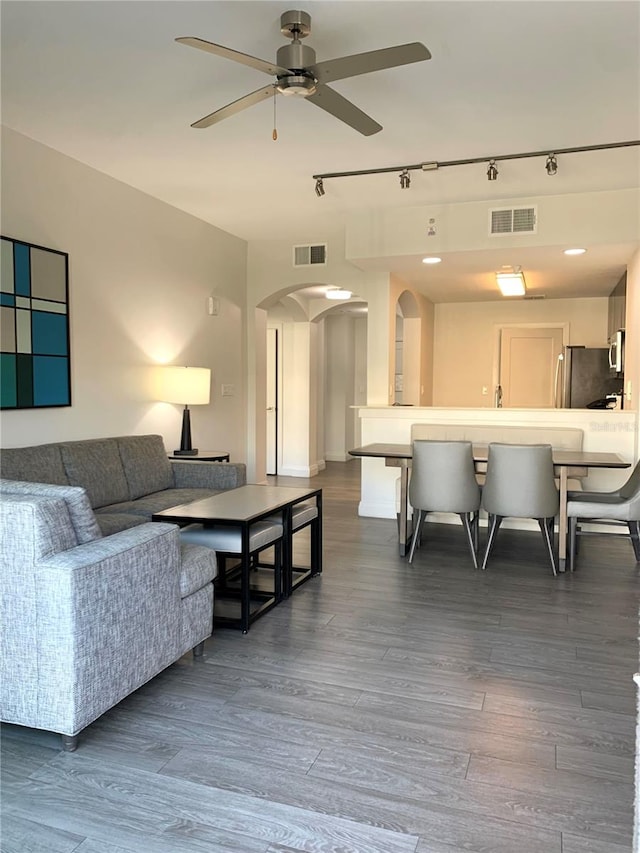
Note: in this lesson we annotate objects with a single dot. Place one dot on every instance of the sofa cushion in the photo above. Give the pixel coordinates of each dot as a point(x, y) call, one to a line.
point(149, 504)
point(199, 567)
point(114, 522)
point(145, 464)
point(39, 464)
point(83, 519)
point(96, 465)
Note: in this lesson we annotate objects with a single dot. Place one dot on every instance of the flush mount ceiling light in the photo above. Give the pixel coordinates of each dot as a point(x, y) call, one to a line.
point(552, 164)
point(492, 171)
point(431, 260)
point(319, 187)
point(574, 251)
point(511, 283)
point(338, 293)
point(405, 179)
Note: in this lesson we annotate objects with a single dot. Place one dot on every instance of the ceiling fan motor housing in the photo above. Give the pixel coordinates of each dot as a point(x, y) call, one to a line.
point(295, 24)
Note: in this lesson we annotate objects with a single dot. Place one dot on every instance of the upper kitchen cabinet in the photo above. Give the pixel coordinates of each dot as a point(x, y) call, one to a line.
point(617, 306)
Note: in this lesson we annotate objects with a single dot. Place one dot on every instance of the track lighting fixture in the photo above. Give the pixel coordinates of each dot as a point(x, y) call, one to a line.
point(492, 170)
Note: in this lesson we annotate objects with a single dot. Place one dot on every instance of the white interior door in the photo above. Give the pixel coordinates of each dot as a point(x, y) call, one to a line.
point(272, 401)
point(528, 361)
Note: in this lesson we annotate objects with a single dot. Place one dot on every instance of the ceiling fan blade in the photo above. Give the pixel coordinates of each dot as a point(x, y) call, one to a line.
point(330, 101)
point(374, 60)
point(236, 107)
point(235, 55)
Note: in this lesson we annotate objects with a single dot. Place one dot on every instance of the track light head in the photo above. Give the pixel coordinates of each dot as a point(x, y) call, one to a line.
point(492, 171)
point(319, 187)
point(405, 179)
point(552, 164)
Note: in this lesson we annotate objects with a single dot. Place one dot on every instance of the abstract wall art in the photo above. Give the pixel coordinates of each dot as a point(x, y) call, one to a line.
point(35, 361)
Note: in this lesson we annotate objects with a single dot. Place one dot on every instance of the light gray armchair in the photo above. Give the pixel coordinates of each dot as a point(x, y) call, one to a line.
point(621, 506)
point(520, 484)
point(443, 480)
point(88, 619)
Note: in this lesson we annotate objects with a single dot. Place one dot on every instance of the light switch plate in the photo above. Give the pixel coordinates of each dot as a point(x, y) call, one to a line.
point(228, 390)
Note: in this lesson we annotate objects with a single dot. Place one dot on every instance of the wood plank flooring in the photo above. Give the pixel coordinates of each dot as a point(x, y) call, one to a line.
point(385, 708)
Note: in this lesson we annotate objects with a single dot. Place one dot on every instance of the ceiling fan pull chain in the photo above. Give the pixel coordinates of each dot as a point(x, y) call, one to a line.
point(274, 135)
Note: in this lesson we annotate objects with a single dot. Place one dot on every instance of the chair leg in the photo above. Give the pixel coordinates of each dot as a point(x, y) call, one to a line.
point(416, 532)
point(494, 523)
point(547, 534)
point(634, 533)
point(573, 542)
point(468, 521)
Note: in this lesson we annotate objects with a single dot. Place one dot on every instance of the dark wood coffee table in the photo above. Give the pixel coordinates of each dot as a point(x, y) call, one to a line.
point(241, 508)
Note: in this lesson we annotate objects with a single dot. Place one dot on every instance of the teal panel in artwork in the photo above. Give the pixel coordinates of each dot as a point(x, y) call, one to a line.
point(49, 333)
point(22, 269)
point(50, 381)
point(7, 299)
point(8, 390)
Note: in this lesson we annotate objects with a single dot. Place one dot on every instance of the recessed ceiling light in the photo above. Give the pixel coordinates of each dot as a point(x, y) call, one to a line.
point(431, 260)
point(574, 251)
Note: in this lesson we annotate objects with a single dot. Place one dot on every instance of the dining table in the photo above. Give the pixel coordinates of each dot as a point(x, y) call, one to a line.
point(566, 463)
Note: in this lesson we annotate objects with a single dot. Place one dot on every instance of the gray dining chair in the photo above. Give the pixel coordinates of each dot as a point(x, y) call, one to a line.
point(443, 480)
point(621, 506)
point(520, 484)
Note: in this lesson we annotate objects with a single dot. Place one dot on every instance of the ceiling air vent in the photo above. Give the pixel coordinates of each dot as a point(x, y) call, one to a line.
point(310, 256)
point(536, 296)
point(512, 220)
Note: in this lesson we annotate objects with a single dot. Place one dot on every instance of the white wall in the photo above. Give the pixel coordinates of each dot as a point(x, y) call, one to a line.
point(341, 382)
point(465, 334)
point(607, 217)
point(140, 275)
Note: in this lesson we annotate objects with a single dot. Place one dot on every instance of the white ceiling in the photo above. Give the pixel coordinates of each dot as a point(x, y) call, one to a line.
point(105, 83)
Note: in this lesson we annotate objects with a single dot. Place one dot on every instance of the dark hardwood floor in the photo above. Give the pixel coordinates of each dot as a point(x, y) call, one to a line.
point(384, 708)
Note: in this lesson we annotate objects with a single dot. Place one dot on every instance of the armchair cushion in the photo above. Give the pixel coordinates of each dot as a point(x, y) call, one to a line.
point(82, 517)
point(199, 567)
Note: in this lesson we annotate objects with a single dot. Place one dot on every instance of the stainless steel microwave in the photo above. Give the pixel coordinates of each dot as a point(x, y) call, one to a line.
point(616, 352)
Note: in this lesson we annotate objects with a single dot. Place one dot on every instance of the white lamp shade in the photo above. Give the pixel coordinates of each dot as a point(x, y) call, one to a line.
point(190, 386)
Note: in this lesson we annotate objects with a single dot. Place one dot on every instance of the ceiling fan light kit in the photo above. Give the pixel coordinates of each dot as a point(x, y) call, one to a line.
point(298, 74)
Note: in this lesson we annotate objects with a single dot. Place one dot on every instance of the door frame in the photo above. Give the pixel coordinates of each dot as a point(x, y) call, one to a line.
point(497, 332)
point(276, 329)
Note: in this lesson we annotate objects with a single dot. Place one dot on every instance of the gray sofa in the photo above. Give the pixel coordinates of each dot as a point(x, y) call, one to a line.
point(88, 618)
point(127, 478)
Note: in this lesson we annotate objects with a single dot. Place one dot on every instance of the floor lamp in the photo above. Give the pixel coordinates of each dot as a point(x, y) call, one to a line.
point(190, 386)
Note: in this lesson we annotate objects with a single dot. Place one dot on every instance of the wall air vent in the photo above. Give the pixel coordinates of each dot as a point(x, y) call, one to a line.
point(310, 256)
point(512, 220)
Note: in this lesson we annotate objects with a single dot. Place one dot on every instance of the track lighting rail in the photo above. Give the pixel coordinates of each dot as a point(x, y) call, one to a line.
point(433, 165)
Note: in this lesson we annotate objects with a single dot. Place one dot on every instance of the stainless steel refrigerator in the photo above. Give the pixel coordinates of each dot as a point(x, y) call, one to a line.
point(586, 377)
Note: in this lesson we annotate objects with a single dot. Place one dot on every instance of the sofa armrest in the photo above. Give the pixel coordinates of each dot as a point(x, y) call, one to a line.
point(107, 619)
point(208, 475)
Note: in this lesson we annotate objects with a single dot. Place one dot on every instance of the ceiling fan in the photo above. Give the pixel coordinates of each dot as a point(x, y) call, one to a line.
point(297, 73)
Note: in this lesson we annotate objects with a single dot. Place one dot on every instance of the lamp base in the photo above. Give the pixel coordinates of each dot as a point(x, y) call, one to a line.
point(193, 452)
